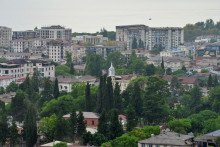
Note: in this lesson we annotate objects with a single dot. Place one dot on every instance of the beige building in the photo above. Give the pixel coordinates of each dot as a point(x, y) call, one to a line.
point(99, 39)
point(55, 32)
point(123, 80)
point(141, 53)
point(5, 36)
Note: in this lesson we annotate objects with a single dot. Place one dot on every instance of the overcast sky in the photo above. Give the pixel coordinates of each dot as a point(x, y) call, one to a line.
point(91, 15)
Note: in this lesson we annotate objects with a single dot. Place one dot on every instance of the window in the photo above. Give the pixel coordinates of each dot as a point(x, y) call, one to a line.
point(150, 145)
point(93, 122)
point(157, 145)
point(142, 145)
point(85, 121)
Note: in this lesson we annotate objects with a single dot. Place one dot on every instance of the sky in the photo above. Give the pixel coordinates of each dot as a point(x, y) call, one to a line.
point(92, 15)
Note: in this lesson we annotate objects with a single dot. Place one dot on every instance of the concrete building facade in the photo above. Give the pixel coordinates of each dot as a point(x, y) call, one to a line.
point(24, 34)
point(5, 36)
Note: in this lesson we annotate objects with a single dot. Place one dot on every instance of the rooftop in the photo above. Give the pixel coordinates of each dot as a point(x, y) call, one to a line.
point(85, 114)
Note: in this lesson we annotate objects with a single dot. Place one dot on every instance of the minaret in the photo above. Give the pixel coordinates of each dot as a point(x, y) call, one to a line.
point(111, 71)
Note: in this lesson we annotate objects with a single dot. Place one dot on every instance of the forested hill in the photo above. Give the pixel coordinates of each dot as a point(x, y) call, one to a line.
point(209, 27)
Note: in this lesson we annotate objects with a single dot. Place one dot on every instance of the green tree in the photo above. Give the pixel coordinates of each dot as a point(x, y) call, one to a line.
point(62, 128)
point(115, 127)
point(116, 58)
point(162, 65)
point(47, 93)
point(81, 127)
point(28, 87)
point(150, 70)
point(68, 59)
point(195, 103)
point(72, 70)
point(103, 124)
point(137, 101)
point(73, 123)
point(204, 71)
point(117, 97)
point(215, 83)
point(99, 104)
point(13, 134)
point(134, 43)
point(61, 144)
point(108, 95)
point(12, 87)
point(174, 86)
point(30, 127)
point(62, 70)
point(169, 71)
point(3, 124)
point(56, 91)
point(18, 107)
point(35, 80)
point(2, 90)
point(88, 98)
point(210, 81)
point(130, 115)
point(217, 141)
point(182, 126)
point(155, 109)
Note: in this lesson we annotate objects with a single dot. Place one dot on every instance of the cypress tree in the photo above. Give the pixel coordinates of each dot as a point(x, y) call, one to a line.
point(61, 128)
point(3, 124)
point(130, 116)
point(115, 127)
point(109, 95)
point(103, 124)
point(73, 123)
point(216, 81)
point(99, 96)
point(30, 128)
point(81, 127)
point(13, 134)
point(72, 70)
point(137, 101)
point(210, 81)
point(28, 87)
point(56, 92)
point(47, 92)
point(117, 97)
point(162, 65)
point(35, 80)
point(88, 98)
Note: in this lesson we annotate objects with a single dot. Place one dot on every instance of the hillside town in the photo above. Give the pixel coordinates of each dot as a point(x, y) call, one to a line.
point(136, 86)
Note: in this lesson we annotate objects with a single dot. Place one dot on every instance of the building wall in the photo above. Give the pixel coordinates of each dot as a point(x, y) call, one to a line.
point(91, 122)
point(5, 36)
point(5, 82)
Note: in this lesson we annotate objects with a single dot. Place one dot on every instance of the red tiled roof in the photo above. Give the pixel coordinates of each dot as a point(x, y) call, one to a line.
point(122, 117)
point(166, 77)
point(187, 80)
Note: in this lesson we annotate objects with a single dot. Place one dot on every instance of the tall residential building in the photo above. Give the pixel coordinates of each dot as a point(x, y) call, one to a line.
point(168, 38)
point(5, 36)
point(55, 32)
point(24, 34)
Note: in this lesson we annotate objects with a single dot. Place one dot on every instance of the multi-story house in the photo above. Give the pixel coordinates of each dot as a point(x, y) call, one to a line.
point(168, 38)
point(24, 34)
point(12, 56)
point(19, 68)
point(99, 39)
point(5, 36)
point(55, 32)
point(57, 48)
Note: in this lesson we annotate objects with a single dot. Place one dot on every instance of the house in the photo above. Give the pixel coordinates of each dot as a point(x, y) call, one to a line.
point(207, 139)
point(65, 82)
point(167, 139)
point(91, 119)
point(51, 144)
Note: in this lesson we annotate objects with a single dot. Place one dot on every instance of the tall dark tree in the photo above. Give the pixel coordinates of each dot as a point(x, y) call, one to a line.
point(28, 87)
point(62, 128)
point(73, 123)
point(162, 65)
point(72, 70)
point(88, 98)
point(210, 84)
point(81, 127)
point(215, 83)
point(184, 68)
point(117, 97)
point(130, 115)
point(104, 32)
point(137, 101)
point(99, 96)
point(68, 59)
point(108, 95)
point(56, 91)
point(115, 127)
point(12, 87)
point(103, 124)
point(3, 124)
point(18, 107)
point(174, 86)
point(134, 43)
point(47, 93)
point(169, 71)
point(150, 70)
point(13, 134)
point(35, 80)
point(30, 127)
point(195, 102)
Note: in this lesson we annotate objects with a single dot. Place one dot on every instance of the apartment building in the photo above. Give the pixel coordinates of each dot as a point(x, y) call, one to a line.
point(77, 51)
point(5, 81)
point(12, 56)
point(99, 39)
point(24, 34)
point(57, 48)
point(168, 38)
point(19, 68)
point(24, 45)
point(5, 36)
point(55, 32)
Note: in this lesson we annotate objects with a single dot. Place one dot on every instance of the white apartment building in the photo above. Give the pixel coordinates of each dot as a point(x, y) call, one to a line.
point(5, 81)
point(5, 36)
point(55, 32)
point(57, 48)
point(99, 39)
point(21, 45)
point(19, 68)
point(168, 38)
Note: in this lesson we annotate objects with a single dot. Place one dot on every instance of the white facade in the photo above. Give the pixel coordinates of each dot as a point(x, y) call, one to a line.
point(5, 36)
point(5, 81)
